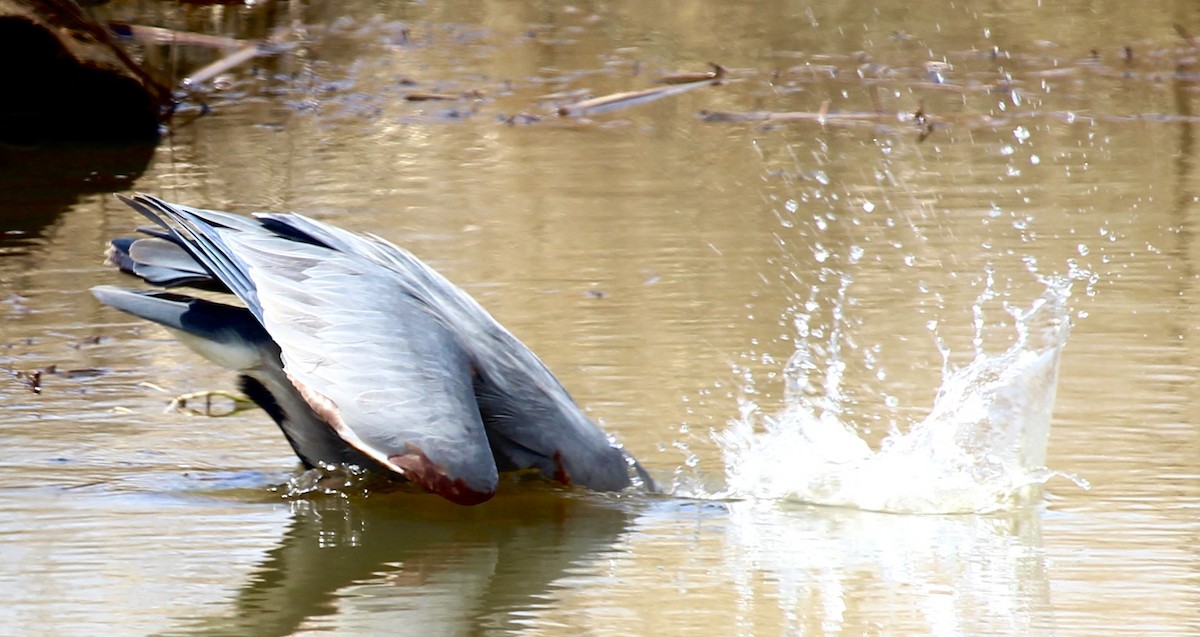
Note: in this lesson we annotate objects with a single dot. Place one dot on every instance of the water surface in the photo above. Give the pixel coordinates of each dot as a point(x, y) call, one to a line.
point(667, 267)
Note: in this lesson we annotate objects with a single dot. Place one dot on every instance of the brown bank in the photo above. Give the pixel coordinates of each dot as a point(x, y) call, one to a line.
point(69, 80)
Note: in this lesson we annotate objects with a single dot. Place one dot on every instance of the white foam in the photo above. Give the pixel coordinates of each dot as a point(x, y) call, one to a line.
point(981, 448)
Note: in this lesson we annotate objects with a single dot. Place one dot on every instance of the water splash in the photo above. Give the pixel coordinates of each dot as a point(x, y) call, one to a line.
point(340, 480)
point(981, 448)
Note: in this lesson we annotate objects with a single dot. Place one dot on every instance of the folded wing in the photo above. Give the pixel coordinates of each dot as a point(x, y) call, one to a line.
point(530, 418)
point(372, 361)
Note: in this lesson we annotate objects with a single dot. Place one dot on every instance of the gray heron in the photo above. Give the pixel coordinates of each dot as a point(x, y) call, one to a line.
point(361, 353)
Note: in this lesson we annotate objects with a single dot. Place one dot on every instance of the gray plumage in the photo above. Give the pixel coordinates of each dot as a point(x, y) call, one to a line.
point(362, 353)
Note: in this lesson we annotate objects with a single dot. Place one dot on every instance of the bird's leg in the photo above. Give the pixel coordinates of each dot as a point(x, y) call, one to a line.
point(180, 403)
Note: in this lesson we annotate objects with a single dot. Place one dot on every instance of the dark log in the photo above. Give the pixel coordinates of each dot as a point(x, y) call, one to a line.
point(67, 79)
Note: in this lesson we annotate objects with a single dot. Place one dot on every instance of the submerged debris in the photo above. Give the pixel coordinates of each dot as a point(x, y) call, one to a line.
point(922, 120)
point(717, 73)
point(32, 380)
point(520, 118)
point(240, 403)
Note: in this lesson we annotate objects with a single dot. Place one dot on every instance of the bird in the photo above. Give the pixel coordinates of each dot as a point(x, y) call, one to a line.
point(361, 353)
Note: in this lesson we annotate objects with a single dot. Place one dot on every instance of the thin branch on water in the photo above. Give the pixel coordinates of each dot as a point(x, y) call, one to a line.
point(615, 101)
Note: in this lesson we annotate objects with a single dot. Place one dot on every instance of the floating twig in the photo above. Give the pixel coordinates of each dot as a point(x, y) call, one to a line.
point(572, 94)
point(443, 97)
point(159, 35)
point(823, 116)
point(432, 97)
point(206, 73)
point(237, 58)
point(626, 99)
point(1183, 33)
point(149, 385)
point(717, 73)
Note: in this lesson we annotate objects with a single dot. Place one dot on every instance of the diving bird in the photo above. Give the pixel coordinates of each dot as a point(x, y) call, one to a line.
point(362, 353)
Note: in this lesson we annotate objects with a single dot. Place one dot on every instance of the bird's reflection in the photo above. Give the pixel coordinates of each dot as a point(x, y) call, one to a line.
point(401, 558)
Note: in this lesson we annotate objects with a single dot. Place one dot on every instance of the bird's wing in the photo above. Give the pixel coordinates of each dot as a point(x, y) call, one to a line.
point(226, 335)
point(531, 419)
point(381, 369)
point(202, 233)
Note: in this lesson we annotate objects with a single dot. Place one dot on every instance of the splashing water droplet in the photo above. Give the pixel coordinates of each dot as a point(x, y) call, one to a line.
point(981, 448)
point(326, 479)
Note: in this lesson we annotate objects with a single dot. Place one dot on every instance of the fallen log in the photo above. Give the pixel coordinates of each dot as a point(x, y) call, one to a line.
point(67, 79)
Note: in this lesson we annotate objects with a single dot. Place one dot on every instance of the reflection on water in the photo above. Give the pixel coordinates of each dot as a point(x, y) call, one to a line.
point(39, 183)
point(376, 565)
point(945, 575)
point(761, 567)
point(665, 265)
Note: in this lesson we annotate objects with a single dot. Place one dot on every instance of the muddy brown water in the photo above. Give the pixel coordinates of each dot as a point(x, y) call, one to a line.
point(656, 260)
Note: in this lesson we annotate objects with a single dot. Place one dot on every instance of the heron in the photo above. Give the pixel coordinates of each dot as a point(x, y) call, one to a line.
point(361, 353)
